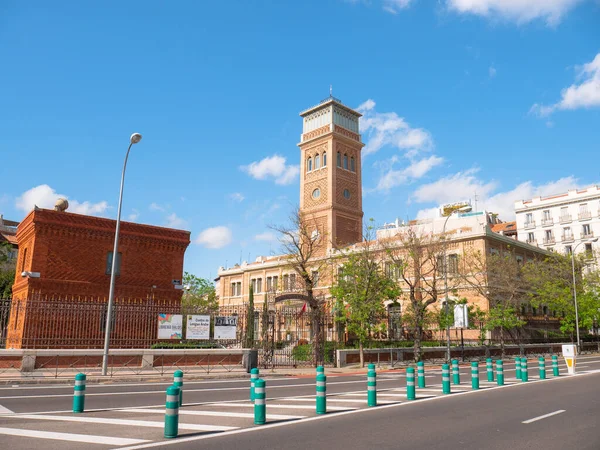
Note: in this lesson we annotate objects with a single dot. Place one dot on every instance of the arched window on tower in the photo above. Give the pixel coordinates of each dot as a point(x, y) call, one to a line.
point(346, 162)
point(324, 159)
point(352, 168)
point(317, 162)
point(309, 164)
point(339, 159)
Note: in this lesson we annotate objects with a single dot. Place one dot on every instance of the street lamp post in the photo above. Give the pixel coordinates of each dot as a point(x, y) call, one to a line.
point(575, 291)
point(134, 139)
point(463, 209)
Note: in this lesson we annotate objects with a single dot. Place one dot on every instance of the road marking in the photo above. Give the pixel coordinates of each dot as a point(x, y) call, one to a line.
point(329, 399)
point(271, 405)
point(535, 419)
point(87, 438)
point(379, 394)
point(185, 412)
point(133, 423)
point(245, 388)
point(4, 410)
point(326, 416)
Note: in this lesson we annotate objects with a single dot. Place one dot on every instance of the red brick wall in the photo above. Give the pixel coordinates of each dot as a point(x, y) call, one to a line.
point(70, 253)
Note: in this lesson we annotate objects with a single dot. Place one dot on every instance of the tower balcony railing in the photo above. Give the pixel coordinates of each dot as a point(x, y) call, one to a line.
point(587, 234)
point(529, 225)
point(547, 222)
point(567, 237)
point(549, 240)
point(583, 215)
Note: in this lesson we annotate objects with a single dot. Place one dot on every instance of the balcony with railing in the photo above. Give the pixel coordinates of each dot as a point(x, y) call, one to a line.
point(566, 218)
point(546, 222)
point(567, 237)
point(529, 225)
point(532, 241)
point(587, 234)
point(549, 240)
point(584, 215)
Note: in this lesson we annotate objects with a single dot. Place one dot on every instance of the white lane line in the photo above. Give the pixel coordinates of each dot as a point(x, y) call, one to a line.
point(4, 410)
point(87, 438)
point(133, 423)
point(329, 400)
point(379, 394)
point(535, 419)
point(183, 412)
point(278, 406)
point(162, 392)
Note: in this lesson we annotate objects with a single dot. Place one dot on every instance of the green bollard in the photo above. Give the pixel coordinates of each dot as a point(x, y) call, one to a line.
point(371, 366)
point(475, 375)
point(410, 383)
point(260, 406)
point(320, 369)
point(489, 365)
point(518, 368)
point(455, 372)
point(421, 373)
point(500, 372)
point(172, 412)
point(321, 393)
point(555, 371)
point(79, 393)
point(524, 372)
point(371, 388)
point(445, 379)
point(253, 378)
point(178, 381)
point(542, 365)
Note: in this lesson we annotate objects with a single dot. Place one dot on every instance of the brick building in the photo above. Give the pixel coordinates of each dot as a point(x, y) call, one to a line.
point(72, 254)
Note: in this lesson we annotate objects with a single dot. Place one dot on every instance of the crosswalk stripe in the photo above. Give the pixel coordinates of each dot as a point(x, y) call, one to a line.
point(87, 438)
point(329, 399)
point(379, 394)
point(134, 423)
point(277, 406)
point(212, 413)
point(4, 410)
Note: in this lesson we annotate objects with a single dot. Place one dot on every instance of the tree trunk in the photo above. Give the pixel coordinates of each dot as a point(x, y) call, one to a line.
point(502, 342)
point(316, 335)
point(361, 352)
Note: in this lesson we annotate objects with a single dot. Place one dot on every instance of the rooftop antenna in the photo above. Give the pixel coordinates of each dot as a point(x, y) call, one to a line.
point(476, 198)
point(330, 90)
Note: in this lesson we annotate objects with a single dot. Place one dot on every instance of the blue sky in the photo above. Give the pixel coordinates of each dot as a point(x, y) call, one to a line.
point(459, 97)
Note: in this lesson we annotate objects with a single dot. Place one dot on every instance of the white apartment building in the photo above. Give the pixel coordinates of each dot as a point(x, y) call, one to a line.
point(561, 223)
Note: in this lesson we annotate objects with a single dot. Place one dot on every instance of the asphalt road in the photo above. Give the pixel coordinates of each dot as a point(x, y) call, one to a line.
point(220, 415)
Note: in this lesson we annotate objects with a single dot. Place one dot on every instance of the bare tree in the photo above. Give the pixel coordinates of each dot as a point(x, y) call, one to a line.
point(498, 279)
point(304, 245)
point(416, 257)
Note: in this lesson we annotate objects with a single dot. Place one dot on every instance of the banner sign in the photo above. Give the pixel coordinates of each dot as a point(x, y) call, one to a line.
point(198, 327)
point(461, 316)
point(225, 327)
point(170, 326)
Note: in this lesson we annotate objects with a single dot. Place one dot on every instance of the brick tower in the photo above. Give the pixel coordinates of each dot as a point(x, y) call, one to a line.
point(330, 171)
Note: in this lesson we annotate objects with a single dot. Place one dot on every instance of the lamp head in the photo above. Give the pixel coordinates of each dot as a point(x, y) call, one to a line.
point(135, 138)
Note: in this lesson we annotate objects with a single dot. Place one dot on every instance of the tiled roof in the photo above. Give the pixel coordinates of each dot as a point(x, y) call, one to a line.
point(504, 227)
point(11, 238)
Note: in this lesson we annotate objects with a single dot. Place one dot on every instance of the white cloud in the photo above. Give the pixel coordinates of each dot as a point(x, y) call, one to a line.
point(463, 185)
point(416, 170)
point(382, 129)
point(155, 207)
point(519, 11)
point(453, 188)
point(492, 71)
point(216, 237)
point(394, 6)
point(266, 236)
point(174, 221)
point(237, 196)
point(44, 196)
point(272, 167)
point(133, 216)
point(586, 94)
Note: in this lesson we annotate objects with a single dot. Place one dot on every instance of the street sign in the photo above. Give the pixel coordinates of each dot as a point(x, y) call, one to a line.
point(461, 316)
point(569, 352)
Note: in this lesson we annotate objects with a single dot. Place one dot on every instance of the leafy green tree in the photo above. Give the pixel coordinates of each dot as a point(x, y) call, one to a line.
point(199, 295)
point(361, 288)
point(551, 282)
point(477, 317)
point(7, 271)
